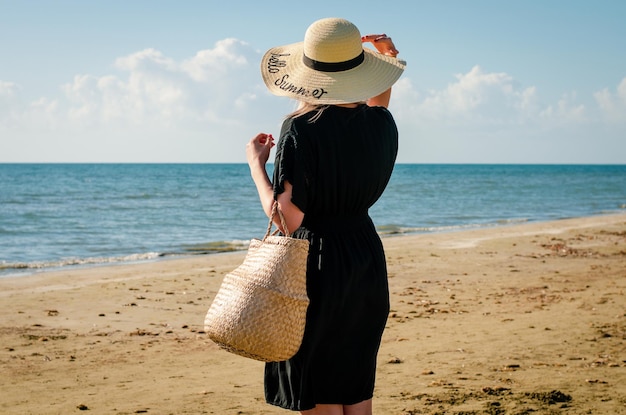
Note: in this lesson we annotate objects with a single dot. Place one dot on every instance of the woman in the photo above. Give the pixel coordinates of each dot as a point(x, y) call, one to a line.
point(334, 158)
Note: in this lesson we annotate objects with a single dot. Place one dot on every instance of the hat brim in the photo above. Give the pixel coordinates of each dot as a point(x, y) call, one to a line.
point(285, 74)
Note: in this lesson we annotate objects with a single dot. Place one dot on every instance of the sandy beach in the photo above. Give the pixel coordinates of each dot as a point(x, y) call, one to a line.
point(524, 319)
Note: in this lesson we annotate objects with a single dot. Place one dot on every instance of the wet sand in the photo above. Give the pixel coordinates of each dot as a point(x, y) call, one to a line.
point(524, 319)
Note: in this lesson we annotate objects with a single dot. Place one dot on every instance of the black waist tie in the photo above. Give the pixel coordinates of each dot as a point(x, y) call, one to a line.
point(319, 228)
point(330, 224)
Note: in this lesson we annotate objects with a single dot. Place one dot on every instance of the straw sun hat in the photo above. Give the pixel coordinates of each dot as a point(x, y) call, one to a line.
point(331, 66)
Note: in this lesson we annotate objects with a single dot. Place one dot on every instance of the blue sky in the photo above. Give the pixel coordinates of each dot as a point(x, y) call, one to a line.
point(178, 81)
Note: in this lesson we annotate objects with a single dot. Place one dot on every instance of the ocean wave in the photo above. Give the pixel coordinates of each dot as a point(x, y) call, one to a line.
point(389, 230)
point(216, 247)
point(512, 221)
point(41, 265)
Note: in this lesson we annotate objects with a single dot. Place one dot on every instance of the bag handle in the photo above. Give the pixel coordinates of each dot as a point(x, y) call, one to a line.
point(283, 222)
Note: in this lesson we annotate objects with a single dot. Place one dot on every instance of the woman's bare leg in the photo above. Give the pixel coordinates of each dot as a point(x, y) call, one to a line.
point(361, 408)
point(325, 410)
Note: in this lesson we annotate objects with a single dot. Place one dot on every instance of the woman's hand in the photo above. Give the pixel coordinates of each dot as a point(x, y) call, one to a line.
point(385, 46)
point(382, 43)
point(258, 149)
point(258, 152)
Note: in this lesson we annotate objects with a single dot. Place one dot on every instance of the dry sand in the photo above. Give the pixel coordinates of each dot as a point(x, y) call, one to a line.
point(525, 319)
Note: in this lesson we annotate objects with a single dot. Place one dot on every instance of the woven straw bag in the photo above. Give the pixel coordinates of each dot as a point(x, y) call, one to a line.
point(260, 309)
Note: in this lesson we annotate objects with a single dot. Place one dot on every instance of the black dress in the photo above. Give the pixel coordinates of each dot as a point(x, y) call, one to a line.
point(338, 166)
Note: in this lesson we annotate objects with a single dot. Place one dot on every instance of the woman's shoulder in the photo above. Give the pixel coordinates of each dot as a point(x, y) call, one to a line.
point(384, 111)
point(329, 116)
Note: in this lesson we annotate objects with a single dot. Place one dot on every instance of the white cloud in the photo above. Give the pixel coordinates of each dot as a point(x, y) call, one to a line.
point(211, 64)
point(154, 90)
point(479, 99)
point(147, 60)
point(475, 98)
point(8, 102)
point(8, 89)
point(492, 118)
point(566, 110)
point(150, 108)
point(205, 107)
point(612, 105)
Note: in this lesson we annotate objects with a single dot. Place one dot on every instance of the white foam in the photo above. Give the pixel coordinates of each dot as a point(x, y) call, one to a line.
point(40, 265)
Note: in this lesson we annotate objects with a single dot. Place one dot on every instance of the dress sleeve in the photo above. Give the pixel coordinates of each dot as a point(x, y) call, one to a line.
point(292, 164)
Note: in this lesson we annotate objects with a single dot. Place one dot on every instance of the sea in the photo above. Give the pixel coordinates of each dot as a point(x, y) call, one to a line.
point(56, 216)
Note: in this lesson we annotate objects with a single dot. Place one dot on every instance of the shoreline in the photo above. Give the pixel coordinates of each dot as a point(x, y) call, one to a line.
point(523, 318)
point(38, 268)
